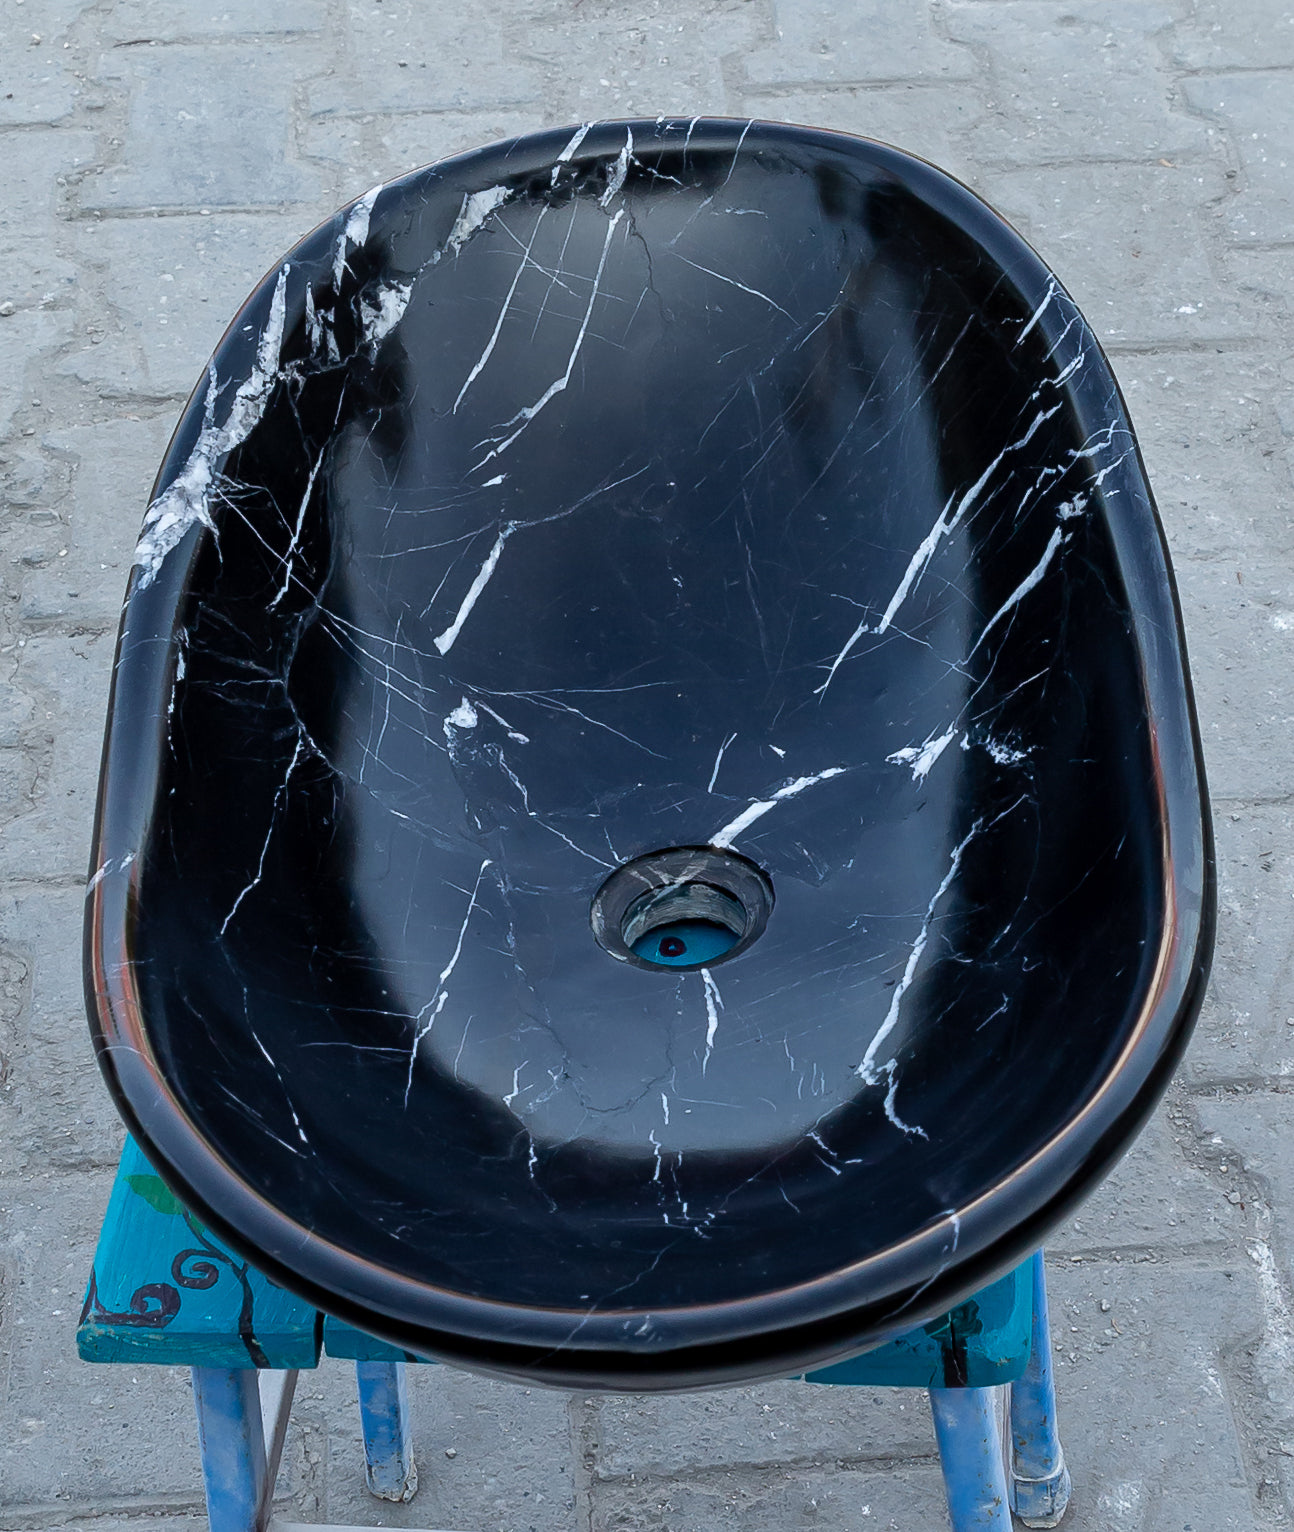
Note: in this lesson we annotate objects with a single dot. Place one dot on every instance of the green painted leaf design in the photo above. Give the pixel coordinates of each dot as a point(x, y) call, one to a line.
point(157, 1194)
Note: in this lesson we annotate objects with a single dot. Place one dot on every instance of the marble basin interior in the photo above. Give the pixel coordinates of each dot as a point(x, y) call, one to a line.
point(719, 486)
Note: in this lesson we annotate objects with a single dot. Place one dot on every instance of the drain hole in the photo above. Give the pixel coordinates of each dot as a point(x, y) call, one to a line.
point(687, 907)
point(683, 926)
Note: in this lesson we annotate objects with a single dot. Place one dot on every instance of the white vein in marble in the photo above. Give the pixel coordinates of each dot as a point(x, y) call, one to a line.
point(185, 502)
point(920, 758)
point(755, 811)
point(354, 231)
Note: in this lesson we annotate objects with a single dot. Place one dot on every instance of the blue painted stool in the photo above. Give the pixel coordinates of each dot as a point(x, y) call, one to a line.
point(163, 1290)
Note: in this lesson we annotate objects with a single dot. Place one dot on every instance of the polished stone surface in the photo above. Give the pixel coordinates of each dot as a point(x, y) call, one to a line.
point(653, 485)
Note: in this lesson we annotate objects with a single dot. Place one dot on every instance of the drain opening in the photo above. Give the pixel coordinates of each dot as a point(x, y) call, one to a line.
point(687, 907)
point(683, 925)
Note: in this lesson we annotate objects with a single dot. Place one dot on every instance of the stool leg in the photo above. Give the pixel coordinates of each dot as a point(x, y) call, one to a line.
point(970, 1453)
point(232, 1442)
point(1039, 1478)
point(388, 1444)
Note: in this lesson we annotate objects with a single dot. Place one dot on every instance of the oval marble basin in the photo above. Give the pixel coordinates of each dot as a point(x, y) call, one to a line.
point(741, 502)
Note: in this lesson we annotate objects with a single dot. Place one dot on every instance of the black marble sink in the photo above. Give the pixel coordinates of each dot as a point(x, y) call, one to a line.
point(743, 503)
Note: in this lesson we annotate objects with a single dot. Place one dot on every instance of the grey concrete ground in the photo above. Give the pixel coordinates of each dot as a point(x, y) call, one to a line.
point(155, 157)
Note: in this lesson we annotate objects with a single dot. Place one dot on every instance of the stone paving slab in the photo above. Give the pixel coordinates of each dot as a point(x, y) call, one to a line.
point(156, 156)
point(186, 142)
point(38, 87)
point(1067, 63)
point(1189, 1211)
point(141, 22)
point(184, 1516)
point(667, 58)
point(392, 144)
point(1246, 1030)
point(190, 276)
point(1148, 279)
point(67, 677)
point(851, 42)
point(80, 561)
point(657, 1438)
point(57, 1113)
point(33, 191)
point(1235, 618)
point(1250, 104)
point(488, 1454)
point(809, 1498)
point(88, 1436)
point(1244, 1134)
point(405, 56)
point(24, 335)
point(1249, 1132)
point(1212, 445)
point(1151, 1398)
point(1222, 36)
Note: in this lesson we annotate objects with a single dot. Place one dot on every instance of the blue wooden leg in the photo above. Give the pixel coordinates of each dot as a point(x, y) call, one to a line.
point(970, 1453)
point(388, 1444)
point(1039, 1478)
point(232, 1440)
